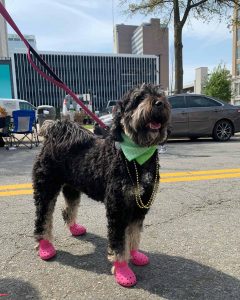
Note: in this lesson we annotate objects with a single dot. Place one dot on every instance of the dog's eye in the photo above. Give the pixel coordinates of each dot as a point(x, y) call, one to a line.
point(158, 103)
point(132, 104)
point(138, 100)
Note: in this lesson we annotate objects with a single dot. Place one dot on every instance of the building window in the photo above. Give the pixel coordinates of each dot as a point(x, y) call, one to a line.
point(238, 34)
point(237, 89)
point(238, 52)
point(238, 69)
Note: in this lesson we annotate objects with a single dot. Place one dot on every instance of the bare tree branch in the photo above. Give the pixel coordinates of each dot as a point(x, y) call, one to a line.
point(187, 10)
point(198, 3)
point(150, 5)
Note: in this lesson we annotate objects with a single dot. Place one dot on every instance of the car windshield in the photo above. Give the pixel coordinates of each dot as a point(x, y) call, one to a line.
point(26, 106)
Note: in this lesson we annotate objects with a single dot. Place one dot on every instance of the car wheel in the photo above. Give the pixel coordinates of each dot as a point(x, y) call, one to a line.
point(223, 130)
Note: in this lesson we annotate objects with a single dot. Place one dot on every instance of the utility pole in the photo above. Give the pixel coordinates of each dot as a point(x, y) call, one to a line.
point(3, 35)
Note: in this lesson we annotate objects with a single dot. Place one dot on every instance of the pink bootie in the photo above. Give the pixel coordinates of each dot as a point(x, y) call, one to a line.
point(46, 250)
point(77, 229)
point(123, 274)
point(138, 258)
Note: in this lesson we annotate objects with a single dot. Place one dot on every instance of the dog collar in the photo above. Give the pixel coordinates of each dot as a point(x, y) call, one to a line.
point(133, 151)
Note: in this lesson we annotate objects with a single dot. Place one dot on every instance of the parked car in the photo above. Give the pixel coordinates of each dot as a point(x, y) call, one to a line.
point(15, 104)
point(110, 106)
point(107, 120)
point(197, 116)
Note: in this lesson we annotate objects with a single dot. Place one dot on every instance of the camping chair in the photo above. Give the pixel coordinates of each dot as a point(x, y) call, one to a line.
point(5, 131)
point(24, 124)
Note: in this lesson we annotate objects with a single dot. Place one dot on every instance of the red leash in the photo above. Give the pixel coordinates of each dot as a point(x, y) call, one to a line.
point(53, 78)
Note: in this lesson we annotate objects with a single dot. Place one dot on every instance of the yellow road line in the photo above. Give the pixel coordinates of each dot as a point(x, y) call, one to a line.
point(206, 172)
point(202, 177)
point(15, 186)
point(26, 188)
point(16, 192)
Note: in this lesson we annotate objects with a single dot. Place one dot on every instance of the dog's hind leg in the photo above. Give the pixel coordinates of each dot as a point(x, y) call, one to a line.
point(46, 190)
point(69, 213)
point(45, 202)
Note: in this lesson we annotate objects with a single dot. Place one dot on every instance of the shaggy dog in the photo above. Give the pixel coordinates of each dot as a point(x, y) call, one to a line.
point(75, 161)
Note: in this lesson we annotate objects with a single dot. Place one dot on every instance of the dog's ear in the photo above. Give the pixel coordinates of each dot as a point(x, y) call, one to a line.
point(116, 127)
point(122, 106)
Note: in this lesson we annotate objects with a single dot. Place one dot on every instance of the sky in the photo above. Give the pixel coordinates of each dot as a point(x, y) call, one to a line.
point(87, 26)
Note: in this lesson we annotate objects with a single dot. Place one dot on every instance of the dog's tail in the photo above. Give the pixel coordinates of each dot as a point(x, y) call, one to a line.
point(61, 136)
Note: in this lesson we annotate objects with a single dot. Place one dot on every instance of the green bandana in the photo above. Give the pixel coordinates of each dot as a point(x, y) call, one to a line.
point(133, 151)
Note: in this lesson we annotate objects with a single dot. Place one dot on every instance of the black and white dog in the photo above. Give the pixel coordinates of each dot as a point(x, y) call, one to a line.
point(75, 161)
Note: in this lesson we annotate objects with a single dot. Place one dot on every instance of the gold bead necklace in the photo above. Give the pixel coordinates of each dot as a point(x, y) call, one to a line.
point(138, 198)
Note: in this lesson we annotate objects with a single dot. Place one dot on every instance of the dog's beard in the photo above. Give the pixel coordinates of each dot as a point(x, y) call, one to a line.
point(146, 126)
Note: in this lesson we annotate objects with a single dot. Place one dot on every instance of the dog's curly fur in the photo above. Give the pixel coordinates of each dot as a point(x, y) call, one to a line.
point(75, 161)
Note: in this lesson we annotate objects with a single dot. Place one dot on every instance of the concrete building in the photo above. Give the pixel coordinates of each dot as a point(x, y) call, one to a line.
point(106, 76)
point(16, 44)
point(201, 76)
point(123, 38)
point(197, 86)
point(148, 38)
point(3, 36)
point(236, 59)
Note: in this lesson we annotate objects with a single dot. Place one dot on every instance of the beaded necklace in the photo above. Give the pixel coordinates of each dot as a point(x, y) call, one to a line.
point(138, 198)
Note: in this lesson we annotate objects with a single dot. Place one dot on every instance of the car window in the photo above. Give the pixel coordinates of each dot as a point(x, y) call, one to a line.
point(25, 106)
point(201, 101)
point(177, 102)
point(111, 103)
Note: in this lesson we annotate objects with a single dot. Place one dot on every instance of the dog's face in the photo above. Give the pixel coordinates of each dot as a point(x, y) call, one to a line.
point(143, 115)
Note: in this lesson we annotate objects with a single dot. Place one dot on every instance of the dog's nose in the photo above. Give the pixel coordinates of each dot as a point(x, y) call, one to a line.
point(159, 103)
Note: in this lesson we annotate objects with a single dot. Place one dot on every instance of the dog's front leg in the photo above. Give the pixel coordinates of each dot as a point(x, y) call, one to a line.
point(129, 241)
point(119, 251)
point(133, 233)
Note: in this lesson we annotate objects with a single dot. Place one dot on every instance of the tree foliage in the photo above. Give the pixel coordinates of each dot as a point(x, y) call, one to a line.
point(179, 11)
point(219, 84)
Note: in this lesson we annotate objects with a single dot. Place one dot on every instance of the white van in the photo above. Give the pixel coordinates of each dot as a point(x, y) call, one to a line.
point(15, 104)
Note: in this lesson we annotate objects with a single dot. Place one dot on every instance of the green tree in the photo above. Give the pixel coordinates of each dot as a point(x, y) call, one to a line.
point(219, 84)
point(179, 11)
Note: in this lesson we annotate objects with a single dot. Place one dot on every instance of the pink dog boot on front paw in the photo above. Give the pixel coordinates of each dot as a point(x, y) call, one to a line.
point(138, 258)
point(123, 274)
point(46, 250)
point(77, 229)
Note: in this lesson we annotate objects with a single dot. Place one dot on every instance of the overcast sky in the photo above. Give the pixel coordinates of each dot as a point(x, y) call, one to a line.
point(87, 26)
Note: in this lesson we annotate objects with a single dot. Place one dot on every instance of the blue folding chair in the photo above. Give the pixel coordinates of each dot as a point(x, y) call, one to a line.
point(24, 124)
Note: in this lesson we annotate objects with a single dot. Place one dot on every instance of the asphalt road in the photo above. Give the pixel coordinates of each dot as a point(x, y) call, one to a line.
point(191, 233)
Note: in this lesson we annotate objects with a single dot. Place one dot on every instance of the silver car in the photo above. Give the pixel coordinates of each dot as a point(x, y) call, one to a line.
point(196, 116)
